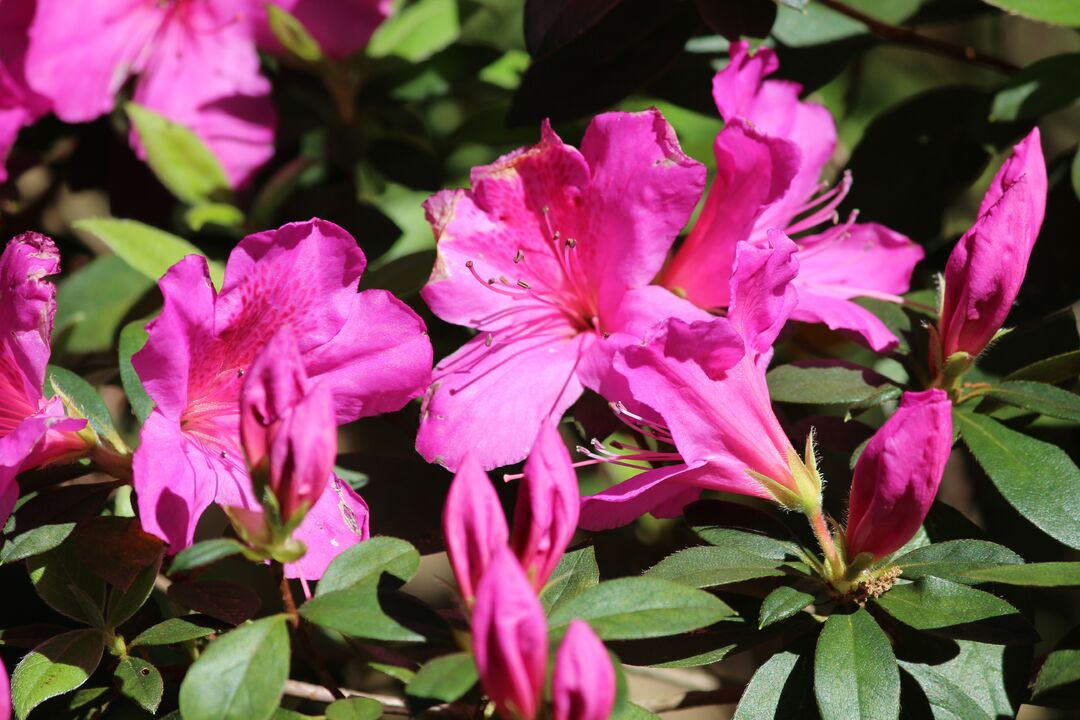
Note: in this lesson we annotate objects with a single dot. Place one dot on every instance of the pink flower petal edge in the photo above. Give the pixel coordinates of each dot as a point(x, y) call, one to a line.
point(583, 682)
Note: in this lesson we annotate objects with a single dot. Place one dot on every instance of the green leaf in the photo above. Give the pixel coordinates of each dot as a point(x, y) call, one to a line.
point(740, 527)
point(1058, 682)
point(710, 566)
point(779, 690)
point(292, 34)
point(835, 385)
point(241, 675)
point(145, 248)
point(576, 572)
point(123, 604)
point(417, 32)
point(357, 611)
point(632, 711)
point(34, 542)
point(1040, 88)
point(1056, 12)
point(1036, 478)
point(782, 603)
point(641, 607)
point(174, 630)
point(56, 666)
point(204, 553)
point(367, 561)
point(132, 339)
point(140, 681)
point(945, 695)
point(91, 303)
point(445, 679)
point(933, 603)
point(1046, 574)
point(855, 672)
point(213, 213)
point(179, 158)
point(67, 585)
point(354, 709)
point(82, 400)
point(1058, 368)
point(953, 559)
point(397, 672)
point(1039, 398)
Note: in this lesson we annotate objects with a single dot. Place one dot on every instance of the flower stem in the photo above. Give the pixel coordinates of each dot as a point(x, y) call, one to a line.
point(833, 563)
point(299, 632)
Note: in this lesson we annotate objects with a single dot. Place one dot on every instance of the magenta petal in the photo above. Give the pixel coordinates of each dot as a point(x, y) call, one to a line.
point(176, 479)
point(1025, 161)
point(341, 28)
point(844, 315)
point(547, 506)
point(897, 475)
point(29, 303)
point(5, 694)
point(491, 400)
point(762, 294)
point(273, 385)
point(662, 491)
point(474, 525)
point(752, 171)
point(337, 521)
point(510, 638)
point(23, 447)
point(583, 682)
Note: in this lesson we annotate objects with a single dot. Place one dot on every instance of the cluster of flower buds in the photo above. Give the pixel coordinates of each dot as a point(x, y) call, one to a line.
point(500, 582)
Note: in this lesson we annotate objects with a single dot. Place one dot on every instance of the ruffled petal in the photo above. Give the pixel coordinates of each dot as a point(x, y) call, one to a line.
point(339, 520)
point(29, 303)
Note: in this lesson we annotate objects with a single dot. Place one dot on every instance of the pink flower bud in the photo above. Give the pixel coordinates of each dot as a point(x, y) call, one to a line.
point(474, 525)
point(510, 638)
point(987, 266)
point(288, 429)
point(897, 475)
point(5, 694)
point(547, 508)
point(583, 683)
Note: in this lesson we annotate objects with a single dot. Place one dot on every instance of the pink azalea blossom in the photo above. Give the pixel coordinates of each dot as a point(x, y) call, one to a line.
point(987, 266)
point(770, 157)
point(583, 682)
point(474, 525)
point(548, 253)
point(287, 427)
point(701, 387)
point(5, 694)
point(547, 507)
point(368, 348)
point(341, 27)
point(195, 60)
point(19, 105)
point(34, 431)
point(510, 638)
point(897, 475)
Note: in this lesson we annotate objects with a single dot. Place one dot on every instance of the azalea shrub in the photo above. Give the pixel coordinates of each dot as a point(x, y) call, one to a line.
point(516, 358)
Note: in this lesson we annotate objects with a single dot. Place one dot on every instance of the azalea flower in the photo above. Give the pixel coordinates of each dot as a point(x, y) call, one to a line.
point(368, 348)
point(583, 682)
point(550, 252)
point(474, 526)
point(19, 105)
point(988, 264)
point(770, 157)
point(34, 430)
point(341, 27)
point(701, 387)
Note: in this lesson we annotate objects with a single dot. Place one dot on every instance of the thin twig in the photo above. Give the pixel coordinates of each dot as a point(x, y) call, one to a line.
point(907, 36)
point(317, 693)
point(303, 641)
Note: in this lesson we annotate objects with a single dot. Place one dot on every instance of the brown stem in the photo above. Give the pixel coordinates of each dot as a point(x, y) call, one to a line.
point(307, 650)
point(907, 36)
point(309, 691)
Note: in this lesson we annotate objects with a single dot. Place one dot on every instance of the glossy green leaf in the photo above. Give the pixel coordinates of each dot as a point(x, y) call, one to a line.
point(213, 213)
point(367, 561)
point(34, 542)
point(147, 249)
point(141, 682)
point(934, 603)
point(641, 607)
point(1046, 574)
point(91, 303)
point(204, 553)
point(1058, 368)
point(711, 566)
point(445, 678)
point(1039, 398)
point(780, 689)
point(823, 385)
point(1056, 12)
point(740, 527)
point(417, 32)
point(67, 585)
point(944, 695)
point(355, 708)
point(180, 159)
point(953, 559)
point(174, 630)
point(1058, 682)
point(1036, 478)
point(123, 604)
point(292, 34)
point(782, 603)
point(357, 611)
point(82, 400)
point(855, 672)
point(240, 675)
point(1040, 88)
point(576, 571)
point(132, 339)
point(58, 665)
